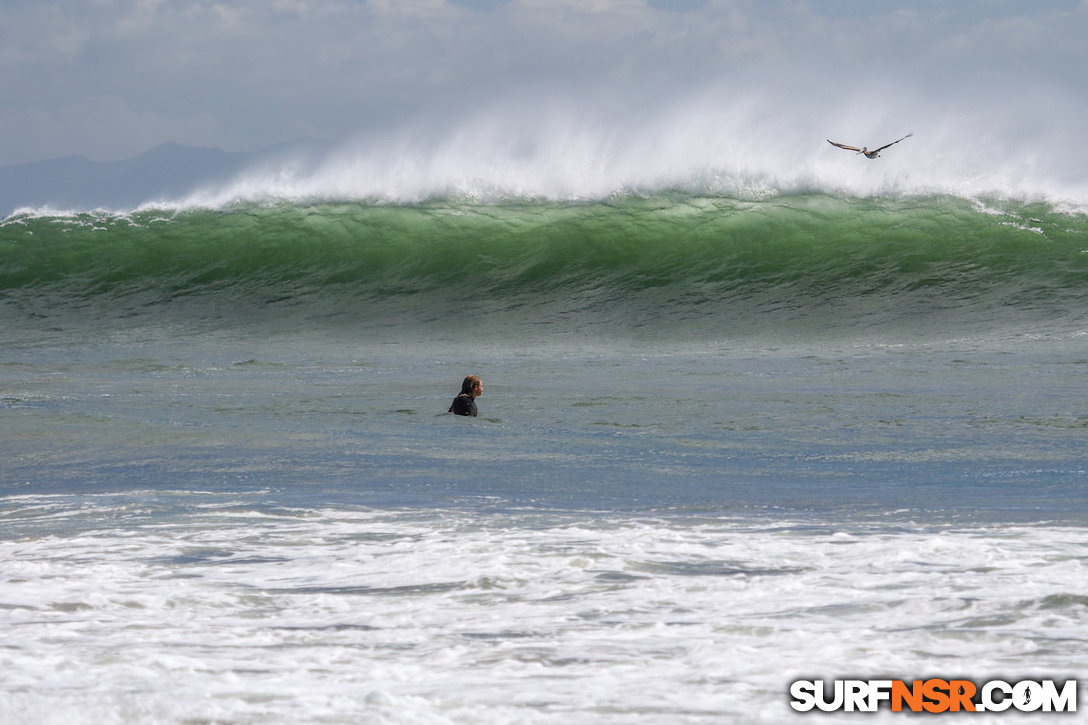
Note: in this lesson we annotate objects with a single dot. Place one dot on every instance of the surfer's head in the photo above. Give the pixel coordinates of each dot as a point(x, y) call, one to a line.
point(472, 386)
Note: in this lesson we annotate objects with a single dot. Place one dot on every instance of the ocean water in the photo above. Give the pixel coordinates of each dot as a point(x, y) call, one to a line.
point(727, 441)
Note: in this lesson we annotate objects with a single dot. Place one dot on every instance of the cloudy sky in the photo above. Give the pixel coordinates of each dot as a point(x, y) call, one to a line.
point(111, 78)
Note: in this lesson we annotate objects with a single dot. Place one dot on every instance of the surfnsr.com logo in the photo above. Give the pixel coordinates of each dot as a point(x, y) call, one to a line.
point(934, 696)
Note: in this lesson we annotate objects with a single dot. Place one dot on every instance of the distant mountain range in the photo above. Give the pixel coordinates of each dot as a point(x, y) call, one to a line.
point(165, 172)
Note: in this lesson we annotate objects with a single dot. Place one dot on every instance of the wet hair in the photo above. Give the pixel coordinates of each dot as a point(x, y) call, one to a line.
point(469, 385)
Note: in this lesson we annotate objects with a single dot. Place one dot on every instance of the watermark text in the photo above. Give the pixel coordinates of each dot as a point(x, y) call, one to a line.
point(934, 695)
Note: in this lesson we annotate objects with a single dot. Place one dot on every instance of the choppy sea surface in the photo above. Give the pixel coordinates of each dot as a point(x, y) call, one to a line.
point(724, 444)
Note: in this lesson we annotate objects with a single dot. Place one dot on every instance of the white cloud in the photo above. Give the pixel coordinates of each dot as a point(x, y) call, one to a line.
point(112, 77)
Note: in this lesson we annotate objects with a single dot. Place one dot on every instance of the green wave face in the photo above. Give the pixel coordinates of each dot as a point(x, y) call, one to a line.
point(663, 265)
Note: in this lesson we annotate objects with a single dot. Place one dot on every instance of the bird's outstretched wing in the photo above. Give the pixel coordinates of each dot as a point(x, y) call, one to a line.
point(848, 148)
point(893, 143)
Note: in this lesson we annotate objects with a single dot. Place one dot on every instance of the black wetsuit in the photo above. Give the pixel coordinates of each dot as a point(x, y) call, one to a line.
point(463, 405)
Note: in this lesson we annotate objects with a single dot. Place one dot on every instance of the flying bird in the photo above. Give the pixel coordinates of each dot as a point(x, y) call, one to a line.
point(865, 150)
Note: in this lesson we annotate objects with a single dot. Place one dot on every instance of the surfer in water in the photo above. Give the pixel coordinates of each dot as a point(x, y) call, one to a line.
point(465, 403)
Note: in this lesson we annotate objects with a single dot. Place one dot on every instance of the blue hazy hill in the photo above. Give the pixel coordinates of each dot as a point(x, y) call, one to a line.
point(164, 172)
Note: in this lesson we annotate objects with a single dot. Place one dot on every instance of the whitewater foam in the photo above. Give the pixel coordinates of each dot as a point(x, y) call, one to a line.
point(446, 616)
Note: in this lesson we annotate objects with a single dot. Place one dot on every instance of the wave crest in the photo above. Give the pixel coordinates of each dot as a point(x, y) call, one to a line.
point(666, 264)
point(711, 145)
